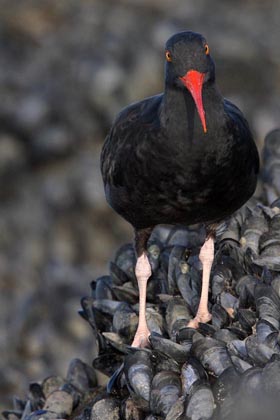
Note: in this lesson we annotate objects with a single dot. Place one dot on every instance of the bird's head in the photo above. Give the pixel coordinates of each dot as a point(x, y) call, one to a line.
point(189, 66)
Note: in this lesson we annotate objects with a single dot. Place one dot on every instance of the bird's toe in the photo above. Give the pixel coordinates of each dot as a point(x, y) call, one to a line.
point(141, 339)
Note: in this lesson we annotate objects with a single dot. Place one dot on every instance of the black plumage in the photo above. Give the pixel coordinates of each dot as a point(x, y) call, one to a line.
point(159, 166)
point(180, 157)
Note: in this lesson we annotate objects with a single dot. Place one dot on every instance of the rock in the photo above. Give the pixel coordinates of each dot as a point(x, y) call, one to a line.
point(59, 402)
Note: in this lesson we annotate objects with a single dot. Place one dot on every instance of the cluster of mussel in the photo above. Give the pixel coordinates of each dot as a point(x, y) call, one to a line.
point(223, 370)
point(57, 397)
point(227, 369)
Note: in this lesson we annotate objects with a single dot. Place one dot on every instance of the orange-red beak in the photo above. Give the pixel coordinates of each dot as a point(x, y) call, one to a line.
point(193, 80)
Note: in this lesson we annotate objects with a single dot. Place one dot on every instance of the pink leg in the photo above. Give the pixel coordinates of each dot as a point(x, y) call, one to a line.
point(206, 256)
point(143, 272)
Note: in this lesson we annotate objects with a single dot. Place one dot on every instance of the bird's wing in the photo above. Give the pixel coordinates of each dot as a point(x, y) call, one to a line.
point(131, 125)
point(239, 123)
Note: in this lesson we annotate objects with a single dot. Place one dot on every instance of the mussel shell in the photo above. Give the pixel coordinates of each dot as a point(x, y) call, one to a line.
point(129, 411)
point(267, 304)
point(272, 341)
point(220, 317)
point(224, 391)
point(116, 341)
point(252, 382)
point(125, 321)
point(225, 335)
point(221, 278)
point(125, 259)
point(226, 385)
point(251, 236)
point(258, 352)
point(107, 306)
point(126, 293)
point(192, 372)
point(245, 289)
point(276, 285)
point(186, 237)
point(102, 321)
point(184, 285)
point(264, 329)
point(36, 395)
point(166, 389)
point(163, 362)
point(247, 318)
point(201, 403)
point(108, 362)
point(138, 372)
point(229, 302)
point(160, 235)
point(177, 316)
point(103, 288)
point(235, 328)
point(271, 378)
point(177, 409)
point(169, 348)
point(232, 231)
point(275, 205)
point(117, 275)
point(272, 262)
point(238, 348)
point(212, 354)
point(154, 320)
point(185, 337)
point(81, 376)
point(275, 224)
point(240, 364)
point(206, 329)
point(176, 255)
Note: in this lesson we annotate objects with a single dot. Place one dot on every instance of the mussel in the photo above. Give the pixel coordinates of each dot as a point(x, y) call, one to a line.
point(138, 372)
point(166, 389)
point(212, 354)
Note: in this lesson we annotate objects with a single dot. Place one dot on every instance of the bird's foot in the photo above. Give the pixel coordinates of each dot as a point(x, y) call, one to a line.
point(200, 317)
point(141, 338)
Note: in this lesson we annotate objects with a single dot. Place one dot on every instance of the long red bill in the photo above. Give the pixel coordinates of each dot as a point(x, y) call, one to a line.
point(193, 80)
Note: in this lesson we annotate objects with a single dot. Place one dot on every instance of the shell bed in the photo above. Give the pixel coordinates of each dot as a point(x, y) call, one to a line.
point(227, 369)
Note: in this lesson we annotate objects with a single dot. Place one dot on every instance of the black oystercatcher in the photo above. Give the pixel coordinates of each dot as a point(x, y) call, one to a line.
point(181, 157)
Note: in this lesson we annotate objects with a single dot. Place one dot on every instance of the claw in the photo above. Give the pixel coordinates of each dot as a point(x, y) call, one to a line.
point(205, 317)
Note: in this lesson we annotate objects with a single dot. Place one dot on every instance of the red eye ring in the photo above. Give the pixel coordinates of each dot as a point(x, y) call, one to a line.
point(168, 56)
point(206, 48)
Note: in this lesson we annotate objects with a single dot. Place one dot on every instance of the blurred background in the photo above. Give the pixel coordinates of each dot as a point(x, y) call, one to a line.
point(66, 68)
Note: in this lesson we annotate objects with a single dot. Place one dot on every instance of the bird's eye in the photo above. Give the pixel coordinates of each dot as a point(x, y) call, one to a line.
point(168, 56)
point(206, 49)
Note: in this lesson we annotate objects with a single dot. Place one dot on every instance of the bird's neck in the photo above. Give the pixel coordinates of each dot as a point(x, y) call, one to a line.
point(178, 111)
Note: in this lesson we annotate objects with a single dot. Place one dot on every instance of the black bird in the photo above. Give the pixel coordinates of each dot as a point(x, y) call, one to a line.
point(184, 156)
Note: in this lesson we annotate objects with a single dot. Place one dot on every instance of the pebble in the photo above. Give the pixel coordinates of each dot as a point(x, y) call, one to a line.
point(51, 384)
point(105, 409)
point(59, 402)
